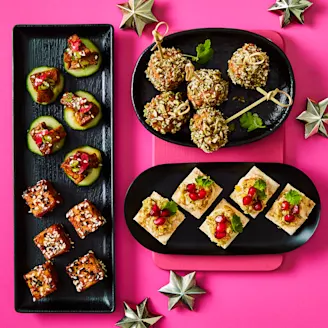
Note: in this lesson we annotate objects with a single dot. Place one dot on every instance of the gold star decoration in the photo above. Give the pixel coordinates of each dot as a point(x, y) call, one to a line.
point(315, 118)
point(289, 8)
point(137, 14)
point(181, 290)
point(141, 318)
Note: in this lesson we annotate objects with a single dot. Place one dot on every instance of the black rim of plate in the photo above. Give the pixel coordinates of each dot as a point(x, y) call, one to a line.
point(228, 30)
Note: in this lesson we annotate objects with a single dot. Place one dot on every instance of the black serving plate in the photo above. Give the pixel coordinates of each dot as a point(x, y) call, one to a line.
point(224, 43)
point(39, 45)
point(260, 236)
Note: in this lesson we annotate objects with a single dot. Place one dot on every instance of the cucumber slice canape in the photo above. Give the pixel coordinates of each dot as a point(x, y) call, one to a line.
point(56, 90)
point(90, 69)
point(93, 174)
point(52, 123)
point(69, 116)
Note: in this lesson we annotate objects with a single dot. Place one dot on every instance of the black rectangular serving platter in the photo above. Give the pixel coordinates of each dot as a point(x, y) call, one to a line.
point(260, 235)
point(43, 45)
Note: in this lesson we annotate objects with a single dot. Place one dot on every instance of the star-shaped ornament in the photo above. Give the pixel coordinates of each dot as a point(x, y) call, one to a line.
point(289, 8)
point(315, 118)
point(181, 290)
point(137, 14)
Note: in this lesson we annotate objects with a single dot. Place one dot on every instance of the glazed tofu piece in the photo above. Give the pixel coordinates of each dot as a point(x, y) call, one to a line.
point(253, 192)
point(41, 198)
point(196, 193)
point(41, 280)
point(53, 241)
point(290, 210)
point(85, 218)
point(159, 217)
point(86, 271)
point(224, 224)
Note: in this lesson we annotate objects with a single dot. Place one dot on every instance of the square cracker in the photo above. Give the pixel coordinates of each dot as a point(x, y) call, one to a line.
point(178, 218)
point(237, 196)
point(196, 212)
point(306, 207)
point(206, 226)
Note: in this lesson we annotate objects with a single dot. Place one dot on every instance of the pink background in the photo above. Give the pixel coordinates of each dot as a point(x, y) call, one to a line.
point(292, 296)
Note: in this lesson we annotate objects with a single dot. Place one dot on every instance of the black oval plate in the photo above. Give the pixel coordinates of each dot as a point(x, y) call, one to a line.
point(260, 236)
point(224, 43)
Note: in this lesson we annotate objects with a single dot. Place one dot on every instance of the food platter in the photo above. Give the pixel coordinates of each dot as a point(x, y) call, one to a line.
point(44, 46)
point(224, 43)
point(260, 235)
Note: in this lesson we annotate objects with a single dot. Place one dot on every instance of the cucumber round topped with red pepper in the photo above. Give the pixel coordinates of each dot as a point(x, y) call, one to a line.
point(81, 58)
point(82, 111)
point(45, 84)
point(45, 136)
point(83, 165)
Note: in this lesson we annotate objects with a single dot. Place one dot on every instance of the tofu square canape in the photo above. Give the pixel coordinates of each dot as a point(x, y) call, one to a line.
point(85, 218)
point(290, 210)
point(41, 198)
point(86, 271)
point(53, 241)
point(42, 280)
point(224, 224)
point(196, 193)
point(253, 192)
point(159, 216)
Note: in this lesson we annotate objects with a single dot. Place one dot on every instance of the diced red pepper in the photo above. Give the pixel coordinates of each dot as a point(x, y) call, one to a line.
point(84, 164)
point(85, 108)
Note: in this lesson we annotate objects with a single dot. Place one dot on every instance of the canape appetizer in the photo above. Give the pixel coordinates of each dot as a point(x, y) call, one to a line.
point(53, 241)
point(291, 209)
point(81, 58)
point(86, 271)
point(249, 67)
point(41, 198)
point(166, 73)
point(207, 88)
point(45, 136)
point(209, 130)
point(224, 224)
point(85, 218)
point(167, 112)
point(81, 110)
point(196, 193)
point(41, 280)
point(253, 191)
point(83, 165)
point(44, 84)
point(160, 217)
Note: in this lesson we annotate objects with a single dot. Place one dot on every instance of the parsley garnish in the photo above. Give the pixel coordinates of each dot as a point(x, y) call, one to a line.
point(251, 122)
point(236, 224)
point(204, 52)
point(171, 206)
point(293, 197)
point(260, 186)
point(204, 182)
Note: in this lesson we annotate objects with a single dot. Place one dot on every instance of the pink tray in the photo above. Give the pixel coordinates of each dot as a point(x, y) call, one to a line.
point(270, 149)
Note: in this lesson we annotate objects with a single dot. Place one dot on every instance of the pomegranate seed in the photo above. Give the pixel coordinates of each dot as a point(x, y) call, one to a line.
point(285, 206)
point(220, 235)
point(252, 191)
point(191, 187)
point(154, 210)
point(257, 206)
point(247, 200)
point(193, 196)
point(38, 139)
point(220, 218)
point(221, 227)
point(295, 209)
point(160, 221)
point(289, 217)
point(201, 193)
point(165, 213)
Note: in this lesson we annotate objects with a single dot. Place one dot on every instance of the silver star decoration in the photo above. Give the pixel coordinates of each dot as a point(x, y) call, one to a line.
point(141, 318)
point(180, 290)
point(137, 14)
point(289, 8)
point(315, 118)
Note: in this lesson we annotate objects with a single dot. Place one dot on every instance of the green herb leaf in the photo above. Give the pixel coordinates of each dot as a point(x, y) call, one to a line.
point(260, 184)
point(293, 197)
point(251, 122)
point(204, 52)
point(204, 182)
point(236, 224)
point(171, 206)
point(232, 127)
point(261, 195)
